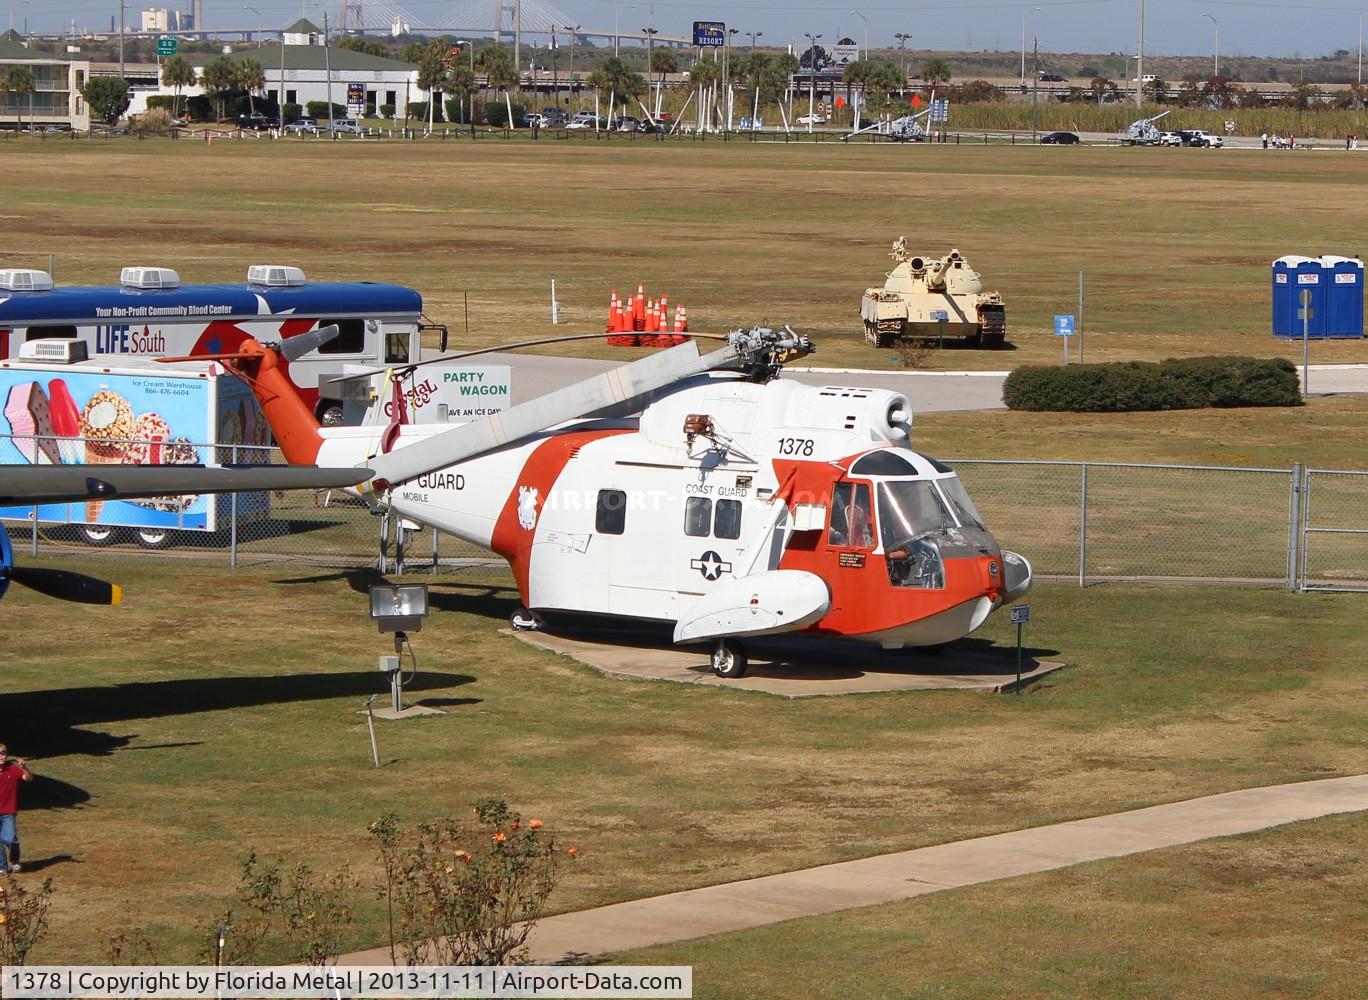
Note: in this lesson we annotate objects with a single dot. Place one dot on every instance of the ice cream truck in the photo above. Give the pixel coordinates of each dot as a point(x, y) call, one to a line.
point(62, 408)
point(150, 313)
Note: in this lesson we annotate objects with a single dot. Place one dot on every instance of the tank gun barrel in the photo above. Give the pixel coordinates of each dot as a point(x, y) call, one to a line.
point(937, 270)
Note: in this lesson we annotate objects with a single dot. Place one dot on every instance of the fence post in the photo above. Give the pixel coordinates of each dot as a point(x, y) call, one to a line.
point(1294, 527)
point(232, 521)
point(434, 551)
point(1304, 508)
point(33, 543)
point(1083, 526)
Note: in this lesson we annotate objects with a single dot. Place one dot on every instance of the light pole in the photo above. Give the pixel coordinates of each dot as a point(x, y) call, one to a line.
point(121, 37)
point(753, 36)
point(574, 30)
point(1024, 10)
point(617, 33)
point(1360, 71)
point(812, 75)
point(1216, 50)
point(555, 76)
point(258, 14)
point(866, 32)
point(327, 72)
point(902, 37)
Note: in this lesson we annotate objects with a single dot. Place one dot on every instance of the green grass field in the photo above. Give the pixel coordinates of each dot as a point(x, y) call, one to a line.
point(1176, 244)
point(216, 711)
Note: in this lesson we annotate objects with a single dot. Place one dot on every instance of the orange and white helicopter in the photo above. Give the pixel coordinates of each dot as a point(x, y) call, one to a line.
point(733, 504)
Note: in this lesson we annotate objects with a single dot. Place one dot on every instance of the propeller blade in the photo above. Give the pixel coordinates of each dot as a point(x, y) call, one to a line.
point(494, 350)
point(617, 386)
point(66, 586)
point(294, 348)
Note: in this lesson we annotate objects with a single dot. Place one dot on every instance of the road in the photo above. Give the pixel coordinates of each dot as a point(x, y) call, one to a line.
point(930, 392)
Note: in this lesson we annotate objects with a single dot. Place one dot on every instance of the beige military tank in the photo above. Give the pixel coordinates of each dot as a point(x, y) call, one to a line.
point(921, 292)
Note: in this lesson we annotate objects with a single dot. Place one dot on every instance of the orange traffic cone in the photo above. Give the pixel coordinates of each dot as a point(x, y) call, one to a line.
point(612, 313)
point(681, 323)
point(639, 309)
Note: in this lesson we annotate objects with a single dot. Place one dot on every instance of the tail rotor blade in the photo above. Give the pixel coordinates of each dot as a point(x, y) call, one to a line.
point(66, 586)
point(294, 348)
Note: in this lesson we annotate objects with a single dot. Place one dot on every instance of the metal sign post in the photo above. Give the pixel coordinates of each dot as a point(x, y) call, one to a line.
point(1305, 314)
point(1080, 317)
point(940, 316)
point(1064, 327)
point(1021, 614)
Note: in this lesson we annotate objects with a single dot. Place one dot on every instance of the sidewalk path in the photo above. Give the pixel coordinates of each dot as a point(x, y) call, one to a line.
point(887, 878)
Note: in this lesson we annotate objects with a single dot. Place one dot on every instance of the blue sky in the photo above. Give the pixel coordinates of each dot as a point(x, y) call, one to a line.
point(1173, 27)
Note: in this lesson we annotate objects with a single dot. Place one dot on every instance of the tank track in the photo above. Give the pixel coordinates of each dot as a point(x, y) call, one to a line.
point(992, 327)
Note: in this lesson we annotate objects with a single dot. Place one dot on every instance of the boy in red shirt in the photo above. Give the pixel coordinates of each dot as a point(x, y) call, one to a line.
point(12, 771)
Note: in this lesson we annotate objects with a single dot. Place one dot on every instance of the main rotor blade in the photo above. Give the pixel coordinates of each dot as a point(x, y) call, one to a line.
point(519, 345)
point(31, 484)
point(294, 348)
point(617, 386)
point(66, 585)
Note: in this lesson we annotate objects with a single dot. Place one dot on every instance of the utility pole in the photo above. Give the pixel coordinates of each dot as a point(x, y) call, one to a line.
point(574, 30)
point(327, 73)
point(122, 4)
point(1035, 99)
point(902, 37)
point(1140, 60)
point(812, 75)
point(555, 77)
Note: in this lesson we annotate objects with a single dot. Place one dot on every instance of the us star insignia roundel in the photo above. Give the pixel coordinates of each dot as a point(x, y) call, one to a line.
point(711, 565)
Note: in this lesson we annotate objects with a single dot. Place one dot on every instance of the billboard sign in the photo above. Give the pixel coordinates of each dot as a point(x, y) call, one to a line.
point(710, 34)
point(356, 100)
point(844, 53)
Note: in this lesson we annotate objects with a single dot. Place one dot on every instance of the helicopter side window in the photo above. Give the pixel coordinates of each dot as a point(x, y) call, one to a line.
point(610, 516)
point(728, 521)
point(852, 519)
point(697, 517)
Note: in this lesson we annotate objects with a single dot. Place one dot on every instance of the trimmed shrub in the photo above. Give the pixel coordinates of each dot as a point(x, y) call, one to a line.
point(496, 112)
point(387, 111)
point(292, 111)
point(1173, 384)
point(319, 110)
point(418, 110)
point(160, 101)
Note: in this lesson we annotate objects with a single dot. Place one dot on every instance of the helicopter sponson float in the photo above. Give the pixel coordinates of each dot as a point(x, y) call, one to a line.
point(700, 491)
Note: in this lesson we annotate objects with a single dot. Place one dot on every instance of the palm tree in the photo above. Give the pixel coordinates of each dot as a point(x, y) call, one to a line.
point(177, 72)
point(936, 70)
point(219, 78)
point(251, 78)
point(431, 74)
point(460, 80)
point(496, 63)
point(19, 80)
point(702, 75)
point(617, 77)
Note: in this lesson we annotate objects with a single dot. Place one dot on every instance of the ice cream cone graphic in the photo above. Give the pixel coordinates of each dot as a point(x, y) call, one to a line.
point(106, 425)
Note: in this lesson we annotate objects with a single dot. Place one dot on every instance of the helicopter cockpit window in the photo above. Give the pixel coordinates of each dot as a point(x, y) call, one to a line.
point(883, 463)
point(852, 517)
point(912, 517)
point(728, 522)
point(610, 516)
point(697, 517)
point(959, 500)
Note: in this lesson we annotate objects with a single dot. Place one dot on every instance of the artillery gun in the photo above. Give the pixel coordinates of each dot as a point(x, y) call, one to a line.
point(908, 128)
point(925, 297)
point(1143, 132)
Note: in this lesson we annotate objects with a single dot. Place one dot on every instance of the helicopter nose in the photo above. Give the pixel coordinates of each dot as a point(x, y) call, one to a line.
point(1016, 571)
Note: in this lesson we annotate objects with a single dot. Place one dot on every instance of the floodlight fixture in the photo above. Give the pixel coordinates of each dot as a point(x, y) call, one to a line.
point(399, 608)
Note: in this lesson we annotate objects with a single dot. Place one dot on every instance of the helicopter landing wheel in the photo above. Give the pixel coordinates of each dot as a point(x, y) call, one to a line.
point(729, 659)
point(524, 620)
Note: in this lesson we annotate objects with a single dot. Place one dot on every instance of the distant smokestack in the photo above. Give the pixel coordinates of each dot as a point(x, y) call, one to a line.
point(198, 14)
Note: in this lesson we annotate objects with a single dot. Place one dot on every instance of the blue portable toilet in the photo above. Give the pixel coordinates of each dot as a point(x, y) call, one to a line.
point(1292, 275)
point(1343, 280)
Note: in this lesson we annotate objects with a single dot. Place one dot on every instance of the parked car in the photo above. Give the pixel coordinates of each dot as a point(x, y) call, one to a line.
point(1170, 139)
point(1200, 137)
point(1060, 139)
point(812, 119)
point(585, 119)
point(554, 118)
point(257, 122)
point(301, 125)
point(1050, 78)
point(653, 127)
point(625, 124)
point(349, 125)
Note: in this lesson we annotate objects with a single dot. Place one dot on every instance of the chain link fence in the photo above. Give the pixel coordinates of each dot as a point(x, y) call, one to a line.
point(1090, 521)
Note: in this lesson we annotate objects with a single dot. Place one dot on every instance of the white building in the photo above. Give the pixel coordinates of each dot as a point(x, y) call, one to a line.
point(302, 70)
point(156, 19)
point(57, 83)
